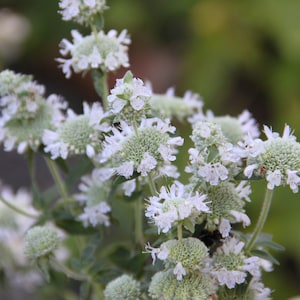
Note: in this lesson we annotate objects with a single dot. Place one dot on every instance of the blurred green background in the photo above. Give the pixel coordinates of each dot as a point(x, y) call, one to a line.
point(235, 54)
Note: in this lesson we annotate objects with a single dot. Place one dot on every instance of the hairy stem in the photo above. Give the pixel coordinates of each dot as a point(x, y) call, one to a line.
point(179, 231)
point(151, 184)
point(57, 179)
point(68, 272)
point(138, 216)
point(261, 220)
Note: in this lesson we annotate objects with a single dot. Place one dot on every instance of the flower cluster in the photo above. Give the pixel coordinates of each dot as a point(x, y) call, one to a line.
point(277, 159)
point(78, 134)
point(25, 112)
point(105, 51)
point(122, 181)
point(82, 11)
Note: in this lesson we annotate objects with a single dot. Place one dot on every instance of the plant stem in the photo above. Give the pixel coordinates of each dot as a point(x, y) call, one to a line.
point(18, 210)
point(57, 178)
point(69, 273)
point(138, 216)
point(151, 184)
point(179, 231)
point(104, 89)
point(261, 220)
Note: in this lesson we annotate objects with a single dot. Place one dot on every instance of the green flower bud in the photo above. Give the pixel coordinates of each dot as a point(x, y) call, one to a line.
point(122, 288)
point(190, 252)
point(40, 241)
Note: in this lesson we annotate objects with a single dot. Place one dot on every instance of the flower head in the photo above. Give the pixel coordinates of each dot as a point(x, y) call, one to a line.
point(25, 112)
point(79, 134)
point(213, 159)
point(81, 11)
point(94, 192)
point(144, 149)
point(230, 266)
point(165, 286)
point(234, 129)
point(40, 241)
point(183, 256)
point(129, 99)
point(124, 287)
point(226, 204)
point(101, 51)
point(278, 159)
point(175, 205)
point(168, 105)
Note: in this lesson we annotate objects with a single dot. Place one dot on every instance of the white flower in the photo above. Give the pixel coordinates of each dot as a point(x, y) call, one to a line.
point(81, 11)
point(260, 291)
point(277, 159)
point(147, 164)
point(173, 205)
point(126, 169)
point(141, 149)
point(253, 147)
point(96, 215)
point(225, 227)
point(161, 253)
point(229, 265)
point(179, 271)
point(212, 173)
point(129, 99)
point(230, 278)
point(293, 180)
point(241, 217)
point(14, 225)
point(105, 51)
point(25, 112)
point(78, 134)
point(248, 172)
point(274, 179)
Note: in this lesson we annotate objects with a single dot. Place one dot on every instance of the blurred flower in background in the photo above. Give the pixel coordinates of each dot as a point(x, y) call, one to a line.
point(14, 29)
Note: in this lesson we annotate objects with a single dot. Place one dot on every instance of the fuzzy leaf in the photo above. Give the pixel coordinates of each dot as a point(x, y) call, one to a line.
point(189, 225)
point(82, 167)
point(265, 255)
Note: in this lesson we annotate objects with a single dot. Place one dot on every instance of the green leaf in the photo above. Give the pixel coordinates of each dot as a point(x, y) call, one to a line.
point(98, 78)
point(128, 77)
point(189, 225)
point(82, 167)
point(213, 152)
point(265, 240)
point(98, 22)
point(127, 261)
point(265, 255)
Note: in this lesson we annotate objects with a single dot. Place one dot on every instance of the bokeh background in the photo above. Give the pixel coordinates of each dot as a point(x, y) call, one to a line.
point(235, 54)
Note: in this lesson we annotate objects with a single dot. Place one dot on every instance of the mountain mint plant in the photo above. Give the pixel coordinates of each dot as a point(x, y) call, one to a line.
point(139, 222)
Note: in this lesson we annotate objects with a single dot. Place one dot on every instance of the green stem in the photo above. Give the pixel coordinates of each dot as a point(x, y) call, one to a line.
point(261, 220)
point(179, 231)
point(138, 216)
point(57, 178)
point(152, 185)
point(69, 273)
point(18, 210)
point(104, 89)
point(98, 291)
